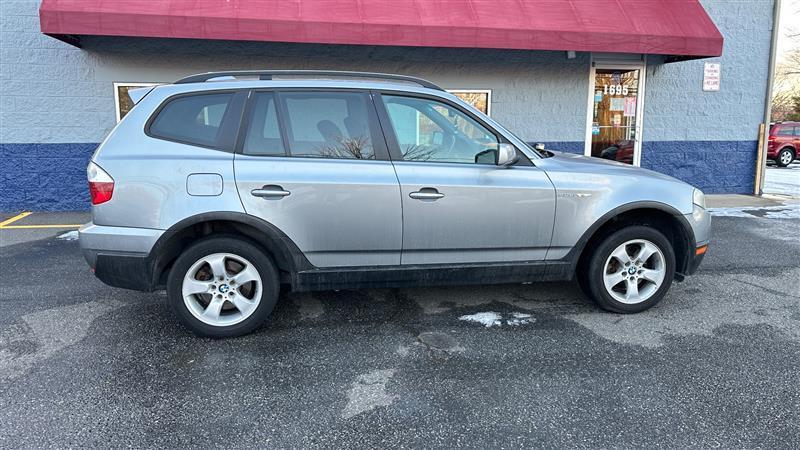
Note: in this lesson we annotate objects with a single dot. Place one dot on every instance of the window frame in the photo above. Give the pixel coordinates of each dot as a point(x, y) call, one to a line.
point(488, 93)
point(247, 119)
point(117, 85)
point(379, 144)
point(229, 128)
point(393, 143)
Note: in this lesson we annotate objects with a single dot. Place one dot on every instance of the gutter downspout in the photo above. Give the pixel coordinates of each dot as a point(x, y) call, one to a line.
point(761, 162)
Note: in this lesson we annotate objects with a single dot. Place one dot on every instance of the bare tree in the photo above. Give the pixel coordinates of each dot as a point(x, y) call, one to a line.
point(348, 148)
point(786, 92)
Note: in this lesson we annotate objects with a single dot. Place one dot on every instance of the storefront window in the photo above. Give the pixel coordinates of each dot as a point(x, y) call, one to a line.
point(479, 99)
point(122, 100)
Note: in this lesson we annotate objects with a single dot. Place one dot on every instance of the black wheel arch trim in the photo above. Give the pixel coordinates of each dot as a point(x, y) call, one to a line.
point(575, 254)
point(275, 241)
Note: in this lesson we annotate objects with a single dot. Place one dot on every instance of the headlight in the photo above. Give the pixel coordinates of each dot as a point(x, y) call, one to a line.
point(698, 198)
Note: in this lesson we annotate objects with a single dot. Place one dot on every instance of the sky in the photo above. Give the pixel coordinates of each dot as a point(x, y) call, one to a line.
point(789, 24)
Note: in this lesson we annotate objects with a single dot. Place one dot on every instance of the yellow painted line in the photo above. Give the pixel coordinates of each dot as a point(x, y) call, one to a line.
point(19, 216)
point(20, 227)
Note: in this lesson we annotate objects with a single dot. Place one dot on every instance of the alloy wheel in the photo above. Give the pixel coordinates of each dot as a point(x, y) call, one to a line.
point(634, 271)
point(222, 289)
point(786, 157)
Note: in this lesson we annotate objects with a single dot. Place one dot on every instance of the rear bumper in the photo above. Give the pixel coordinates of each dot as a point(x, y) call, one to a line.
point(127, 271)
point(120, 256)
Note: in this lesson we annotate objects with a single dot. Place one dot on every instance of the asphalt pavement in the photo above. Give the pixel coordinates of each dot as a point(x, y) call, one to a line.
point(716, 364)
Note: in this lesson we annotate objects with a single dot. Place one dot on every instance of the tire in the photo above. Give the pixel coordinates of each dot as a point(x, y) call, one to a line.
point(643, 285)
point(785, 157)
point(218, 308)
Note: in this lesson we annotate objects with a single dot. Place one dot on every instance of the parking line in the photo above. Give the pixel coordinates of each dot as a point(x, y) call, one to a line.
point(19, 216)
point(21, 227)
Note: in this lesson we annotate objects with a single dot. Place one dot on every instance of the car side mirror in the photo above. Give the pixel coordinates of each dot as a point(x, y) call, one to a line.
point(507, 155)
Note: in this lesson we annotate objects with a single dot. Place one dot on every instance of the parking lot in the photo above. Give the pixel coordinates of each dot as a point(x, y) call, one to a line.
point(715, 364)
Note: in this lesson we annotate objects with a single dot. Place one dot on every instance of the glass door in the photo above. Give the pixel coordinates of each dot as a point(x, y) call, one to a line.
point(614, 127)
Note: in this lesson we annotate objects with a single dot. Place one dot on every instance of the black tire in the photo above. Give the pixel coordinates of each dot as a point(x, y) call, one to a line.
point(266, 269)
point(787, 154)
point(590, 274)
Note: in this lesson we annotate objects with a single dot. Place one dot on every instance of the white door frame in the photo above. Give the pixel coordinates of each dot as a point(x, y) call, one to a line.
point(598, 63)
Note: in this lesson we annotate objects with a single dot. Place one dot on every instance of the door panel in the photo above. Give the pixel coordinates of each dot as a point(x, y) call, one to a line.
point(485, 213)
point(337, 197)
point(338, 212)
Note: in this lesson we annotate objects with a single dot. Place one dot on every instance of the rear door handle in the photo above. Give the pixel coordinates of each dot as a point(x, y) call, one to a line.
point(426, 194)
point(270, 191)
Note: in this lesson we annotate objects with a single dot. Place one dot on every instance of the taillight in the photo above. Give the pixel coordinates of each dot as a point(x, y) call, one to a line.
point(101, 185)
point(771, 138)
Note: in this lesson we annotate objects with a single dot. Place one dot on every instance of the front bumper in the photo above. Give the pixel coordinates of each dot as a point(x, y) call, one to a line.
point(700, 222)
point(695, 260)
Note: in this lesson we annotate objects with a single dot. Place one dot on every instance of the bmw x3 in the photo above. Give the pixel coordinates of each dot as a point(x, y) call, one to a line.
point(223, 187)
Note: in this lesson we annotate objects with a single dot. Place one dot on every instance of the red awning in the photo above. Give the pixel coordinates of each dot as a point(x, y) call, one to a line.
point(667, 27)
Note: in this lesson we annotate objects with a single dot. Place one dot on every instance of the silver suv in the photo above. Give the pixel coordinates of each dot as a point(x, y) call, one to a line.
point(222, 187)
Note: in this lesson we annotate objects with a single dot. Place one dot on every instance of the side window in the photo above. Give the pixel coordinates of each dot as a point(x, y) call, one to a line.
point(429, 130)
point(785, 131)
point(328, 125)
point(797, 131)
point(263, 136)
point(194, 119)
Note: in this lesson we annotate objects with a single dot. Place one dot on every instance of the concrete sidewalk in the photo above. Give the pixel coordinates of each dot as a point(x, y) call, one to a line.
point(747, 201)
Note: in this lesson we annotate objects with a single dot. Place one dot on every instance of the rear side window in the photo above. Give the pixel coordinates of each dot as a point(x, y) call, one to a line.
point(328, 124)
point(785, 131)
point(263, 136)
point(194, 119)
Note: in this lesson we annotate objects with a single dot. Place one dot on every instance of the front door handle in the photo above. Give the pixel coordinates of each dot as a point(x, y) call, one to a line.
point(270, 191)
point(426, 194)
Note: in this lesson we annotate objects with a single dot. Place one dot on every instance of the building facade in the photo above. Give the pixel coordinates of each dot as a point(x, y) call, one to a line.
point(696, 119)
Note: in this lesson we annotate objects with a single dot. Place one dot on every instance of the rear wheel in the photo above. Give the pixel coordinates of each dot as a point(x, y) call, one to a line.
point(630, 270)
point(223, 287)
point(785, 157)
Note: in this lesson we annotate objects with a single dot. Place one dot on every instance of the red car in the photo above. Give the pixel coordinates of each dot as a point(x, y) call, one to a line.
point(784, 143)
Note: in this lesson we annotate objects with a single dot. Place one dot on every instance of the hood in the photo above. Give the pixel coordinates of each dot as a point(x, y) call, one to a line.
point(587, 163)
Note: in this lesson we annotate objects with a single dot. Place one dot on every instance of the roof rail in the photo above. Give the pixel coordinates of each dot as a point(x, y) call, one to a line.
point(269, 74)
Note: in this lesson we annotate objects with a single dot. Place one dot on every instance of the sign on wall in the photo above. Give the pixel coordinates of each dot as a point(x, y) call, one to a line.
point(711, 76)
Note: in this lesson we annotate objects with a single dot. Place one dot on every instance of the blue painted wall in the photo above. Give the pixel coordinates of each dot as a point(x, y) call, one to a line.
point(44, 177)
point(716, 167)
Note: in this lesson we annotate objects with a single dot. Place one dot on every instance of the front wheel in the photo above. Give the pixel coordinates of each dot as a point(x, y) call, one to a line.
point(785, 157)
point(630, 270)
point(223, 287)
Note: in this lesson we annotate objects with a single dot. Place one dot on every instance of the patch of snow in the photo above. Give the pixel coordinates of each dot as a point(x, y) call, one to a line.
point(487, 319)
point(69, 236)
point(491, 319)
point(520, 319)
point(790, 211)
point(784, 181)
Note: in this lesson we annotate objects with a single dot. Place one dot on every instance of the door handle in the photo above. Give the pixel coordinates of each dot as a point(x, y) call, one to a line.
point(426, 194)
point(270, 191)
